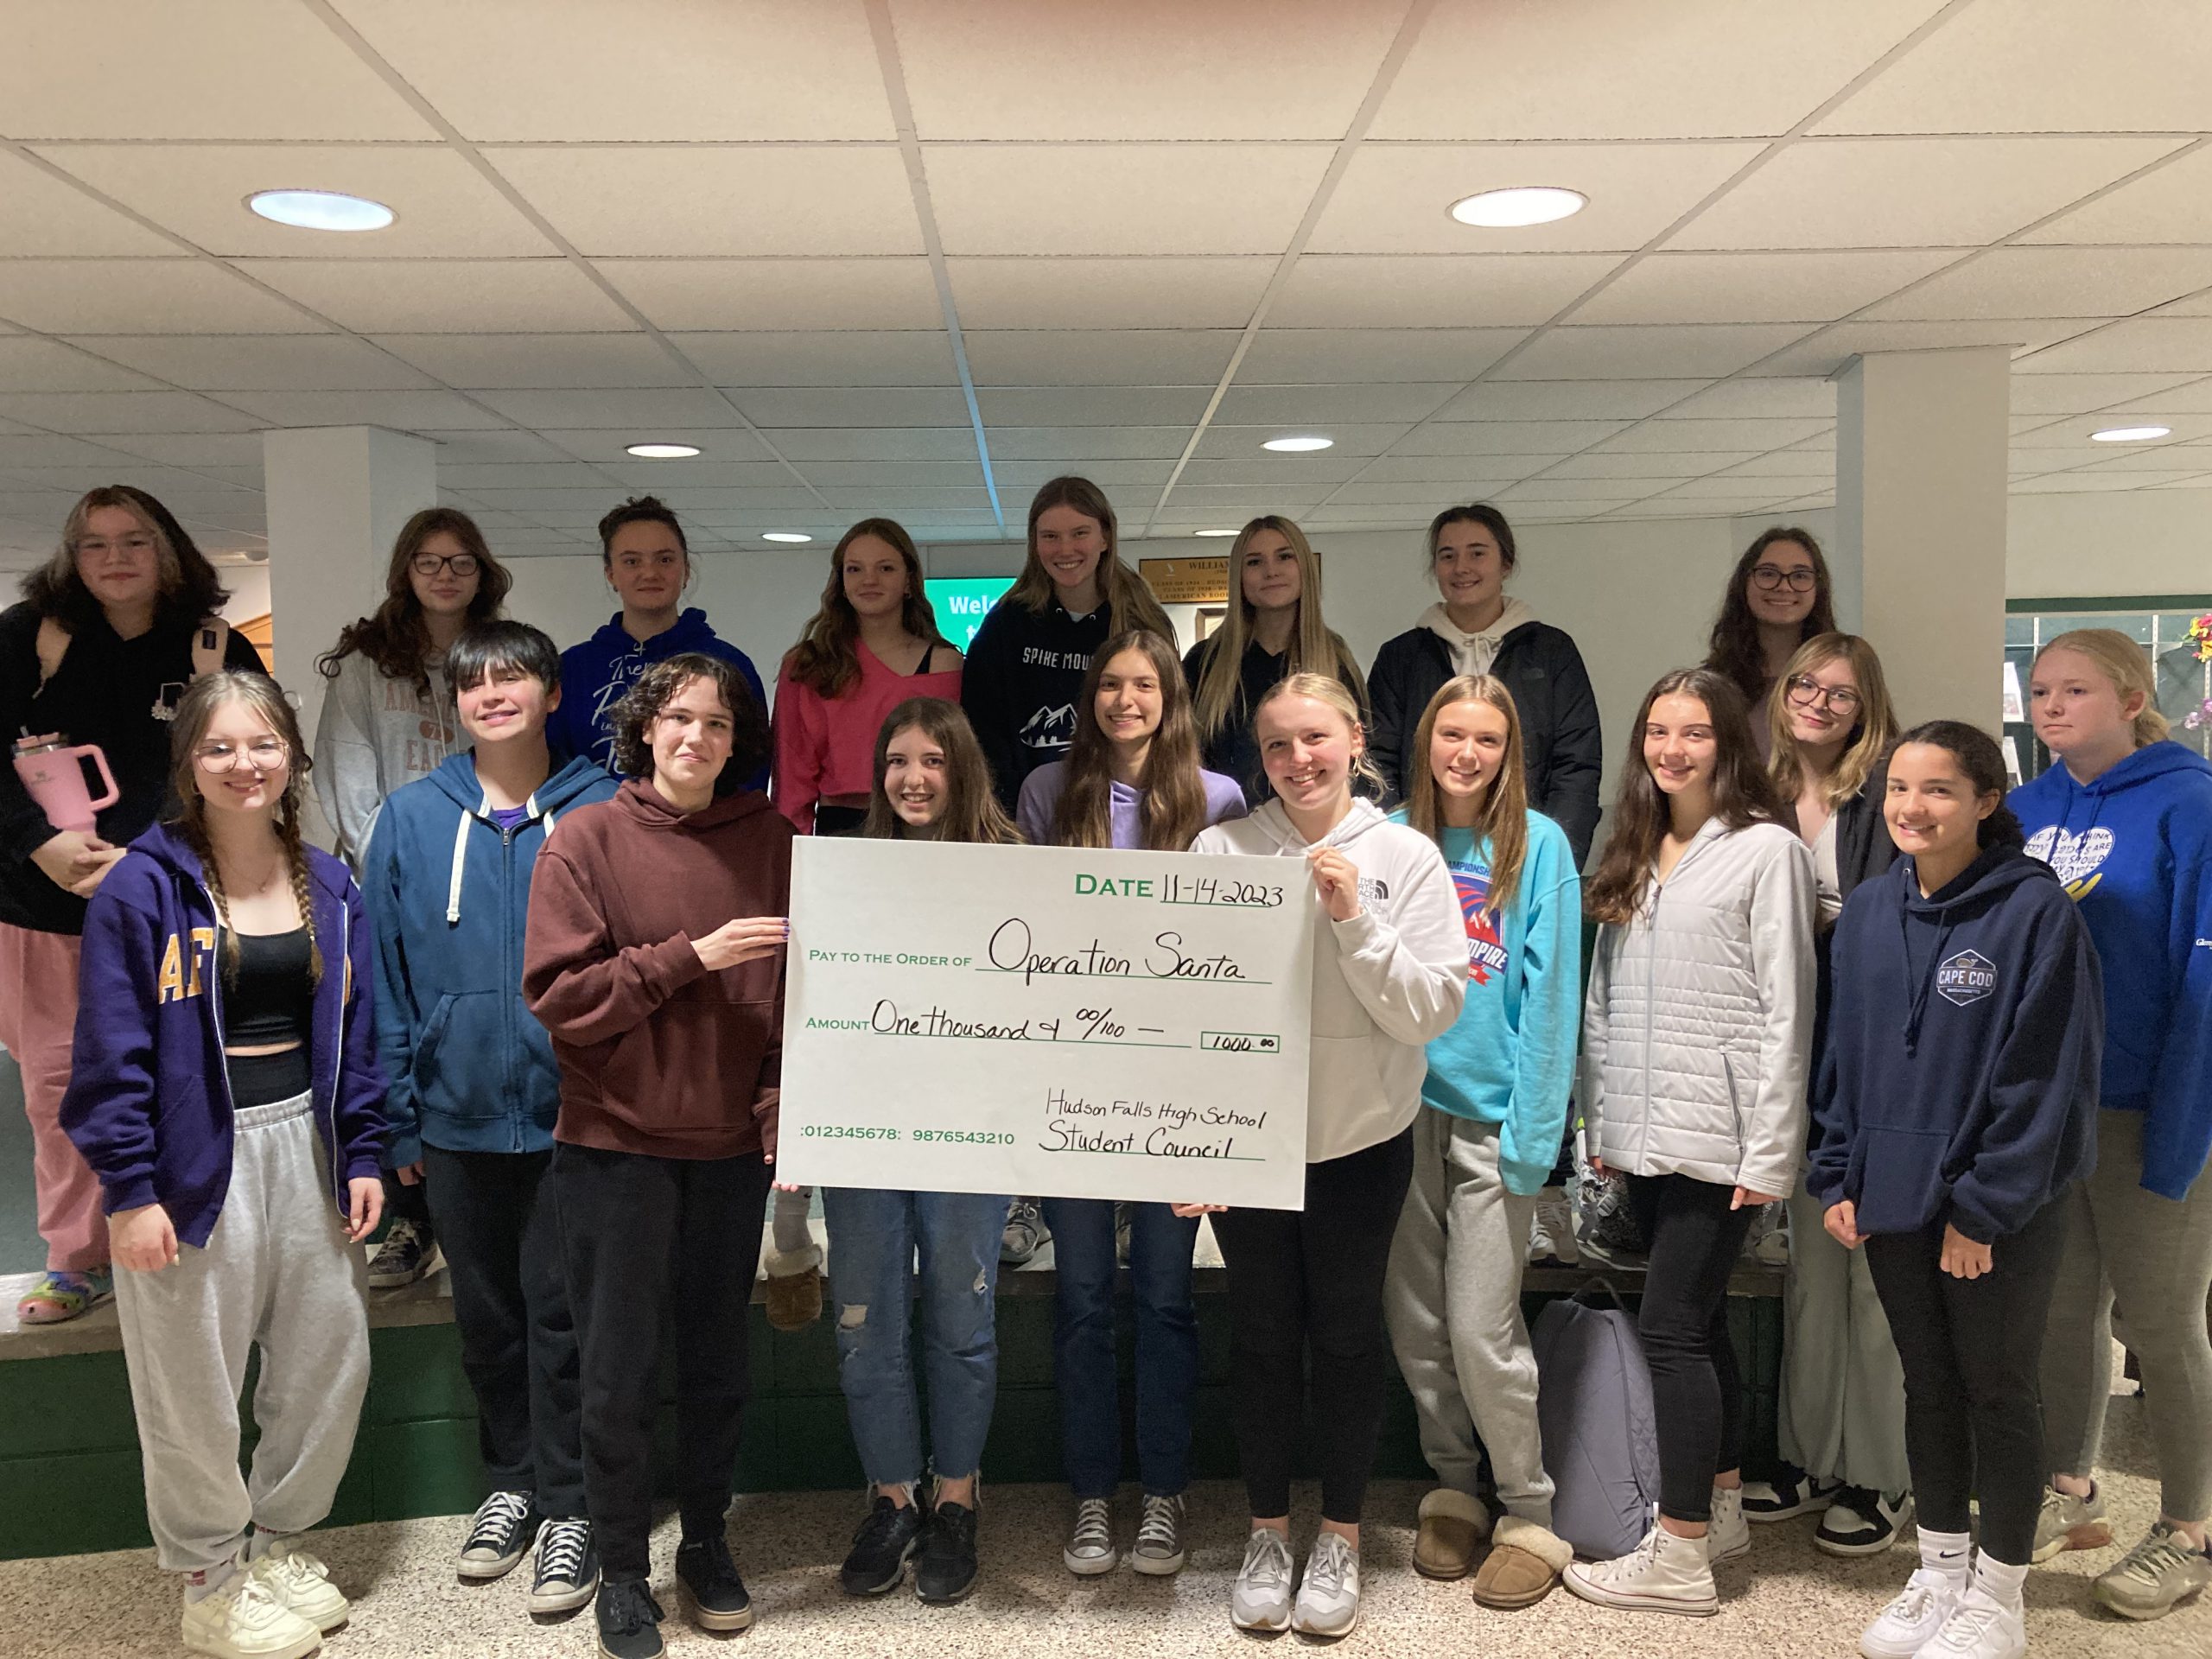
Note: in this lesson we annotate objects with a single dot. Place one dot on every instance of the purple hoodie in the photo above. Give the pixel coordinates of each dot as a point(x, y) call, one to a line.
point(149, 1102)
point(1040, 796)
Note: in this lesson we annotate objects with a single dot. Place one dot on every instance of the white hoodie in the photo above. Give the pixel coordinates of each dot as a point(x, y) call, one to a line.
point(376, 733)
point(1385, 983)
point(1473, 653)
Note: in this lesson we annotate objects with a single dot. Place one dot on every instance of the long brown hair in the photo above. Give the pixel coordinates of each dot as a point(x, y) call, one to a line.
point(187, 584)
point(1314, 647)
point(1870, 737)
point(972, 811)
point(194, 712)
point(395, 636)
point(1129, 603)
point(1743, 793)
point(1735, 649)
point(1503, 817)
point(827, 658)
point(1175, 809)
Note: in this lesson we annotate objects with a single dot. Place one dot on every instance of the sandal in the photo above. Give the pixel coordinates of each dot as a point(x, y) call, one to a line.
point(59, 1297)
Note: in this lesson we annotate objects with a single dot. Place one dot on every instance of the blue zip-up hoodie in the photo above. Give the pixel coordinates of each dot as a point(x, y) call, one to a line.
point(149, 1102)
point(448, 892)
point(2135, 849)
point(1960, 1081)
point(596, 674)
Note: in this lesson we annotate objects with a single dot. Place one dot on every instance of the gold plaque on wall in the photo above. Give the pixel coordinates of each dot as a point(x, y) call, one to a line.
point(1187, 582)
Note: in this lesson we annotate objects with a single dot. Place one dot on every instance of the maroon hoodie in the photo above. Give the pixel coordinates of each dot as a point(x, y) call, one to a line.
point(657, 1055)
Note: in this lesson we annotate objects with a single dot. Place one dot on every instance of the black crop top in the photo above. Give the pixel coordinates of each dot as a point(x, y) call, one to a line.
point(273, 999)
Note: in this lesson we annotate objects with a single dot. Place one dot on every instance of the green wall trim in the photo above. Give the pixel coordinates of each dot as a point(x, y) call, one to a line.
point(2083, 604)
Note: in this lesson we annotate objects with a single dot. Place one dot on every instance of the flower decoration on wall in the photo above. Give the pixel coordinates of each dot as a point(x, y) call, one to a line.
point(2200, 637)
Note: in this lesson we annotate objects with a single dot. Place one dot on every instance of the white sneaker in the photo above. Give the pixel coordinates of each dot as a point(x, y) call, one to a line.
point(1551, 1236)
point(1909, 1622)
point(1090, 1542)
point(1328, 1601)
point(1728, 1533)
point(245, 1620)
point(1980, 1627)
point(1662, 1574)
point(303, 1583)
point(1261, 1597)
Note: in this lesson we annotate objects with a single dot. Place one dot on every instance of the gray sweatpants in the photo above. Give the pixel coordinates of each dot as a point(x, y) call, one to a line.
point(2152, 1258)
point(1453, 1300)
point(1842, 1408)
point(277, 1273)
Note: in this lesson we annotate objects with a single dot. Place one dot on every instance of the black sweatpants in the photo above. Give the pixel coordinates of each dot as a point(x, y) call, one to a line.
point(652, 1242)
point(1314, 1279)
point(494, 1216)
point(1695, 1387)
point(1973, 1350)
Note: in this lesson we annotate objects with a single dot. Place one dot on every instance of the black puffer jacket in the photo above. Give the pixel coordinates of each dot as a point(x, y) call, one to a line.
point(1551, 691)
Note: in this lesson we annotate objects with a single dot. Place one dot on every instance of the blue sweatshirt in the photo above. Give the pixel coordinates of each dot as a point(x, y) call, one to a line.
point(1510, 1059)
point(448, 892)
point(596, 674)
point(148, 1104)
point(1042, 789)
point(2135, 849)
point(1959, 1081)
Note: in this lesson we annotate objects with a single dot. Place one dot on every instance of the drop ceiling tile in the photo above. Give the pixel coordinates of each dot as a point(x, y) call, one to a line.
point(574, 71)
point(219, 451)
point(1507, 437)
point(1551, 487)
point(1407, 464)
point(41, 214)
point(803, 444)
point(1660, 506)
point(2094, 482)
point(1566, 400)
point(2077, 394)
point(520, 475)
point(31, 365)
point(1142, 199)
point(1787, 464)
point(489, 446)
point(916, 406)
point(1286, 357)
point(1157, 356)
point(2140, 346)
point(41, 450)
point(751, 199)
point(1093, 405)
point(1666, 436)
point(640, 410)
point(2194, 305)
point(900, 474)
point(215, 69)
point(792, 497)
point(463, 296)
point(778, 294)
point(1626, 352)
point(1327, 468)
point(1231, 442)
point(1398, 198)
point(1657, 465)
point(658, 476)
point(1418, 500)
point(1563, 512)
point(541, 502)
point(1074, 294)
point(257, 362)
point(1732, 486)
point(2056, 282)
point(1466, 290)
point(141, 296)
point(604, 445)
point(1402, 400)
point(2173, 204)
point(1718, 68)
point(1219, 500)
point(1083, 445)
point(1825, 352)
point(124, 412)
point(912, 357)
point(2165, 456)
point(404, 411)
point(2192, 397)
point(1018, 480)
point(571, 360)
point(1675, 288)
point(1761, 398)
point(1883, 193)
point(893, 502)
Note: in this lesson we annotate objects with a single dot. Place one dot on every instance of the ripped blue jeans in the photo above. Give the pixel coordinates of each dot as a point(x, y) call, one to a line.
point(874, 1238)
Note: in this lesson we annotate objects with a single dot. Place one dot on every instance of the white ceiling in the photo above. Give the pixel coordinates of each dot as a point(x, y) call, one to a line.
point(916, 256)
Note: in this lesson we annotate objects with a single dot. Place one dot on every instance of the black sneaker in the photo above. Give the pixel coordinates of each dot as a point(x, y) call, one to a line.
point(886, 1540)
point(568, 1567)
point(718, 1599)
point(499, 1535)
point(1792, 1492)
point(946, 1571)
point(407, 1254)
point(1862, 1522)
point(629, 1620)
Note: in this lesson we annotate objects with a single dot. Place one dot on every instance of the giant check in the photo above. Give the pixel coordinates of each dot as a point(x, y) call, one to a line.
point(1047, 1021)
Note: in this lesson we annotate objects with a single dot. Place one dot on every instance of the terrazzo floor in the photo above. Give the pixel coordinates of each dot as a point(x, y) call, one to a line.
point(1788, 1600)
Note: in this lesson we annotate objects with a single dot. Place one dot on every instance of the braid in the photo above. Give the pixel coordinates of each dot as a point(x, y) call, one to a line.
point(296, 856)
point(195, 835)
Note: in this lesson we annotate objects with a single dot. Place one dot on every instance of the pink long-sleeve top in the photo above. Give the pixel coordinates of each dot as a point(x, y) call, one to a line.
point(826, 746)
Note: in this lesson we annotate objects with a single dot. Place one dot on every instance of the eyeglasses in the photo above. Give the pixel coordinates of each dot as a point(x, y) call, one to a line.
point(262, 755)
point(428, 564)
point(133, 544)
point(1770, 576)
point(1805, 691)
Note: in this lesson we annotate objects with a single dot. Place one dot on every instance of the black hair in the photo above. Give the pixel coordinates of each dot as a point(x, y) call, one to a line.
point(1983, 762)
point(639, 510)
point(502, 643)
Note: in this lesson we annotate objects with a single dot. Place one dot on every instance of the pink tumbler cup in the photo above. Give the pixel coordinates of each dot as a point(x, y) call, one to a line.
point(54, 771)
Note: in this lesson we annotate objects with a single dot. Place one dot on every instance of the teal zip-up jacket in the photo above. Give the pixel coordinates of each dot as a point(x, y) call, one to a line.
point(471, 1068)
point(1509, 1058)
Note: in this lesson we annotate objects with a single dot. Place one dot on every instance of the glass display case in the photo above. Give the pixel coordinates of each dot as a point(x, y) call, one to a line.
point(2160, 623)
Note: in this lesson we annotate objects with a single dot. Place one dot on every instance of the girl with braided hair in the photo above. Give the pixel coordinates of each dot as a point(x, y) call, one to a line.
point(225, 1090)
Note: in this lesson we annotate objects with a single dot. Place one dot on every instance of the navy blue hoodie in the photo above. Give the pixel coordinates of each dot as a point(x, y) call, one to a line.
point(2134, 847)
point(448, 892)
point(149, 1102)
point(1021, 682)
point(1960, 1081)
point(596, 674)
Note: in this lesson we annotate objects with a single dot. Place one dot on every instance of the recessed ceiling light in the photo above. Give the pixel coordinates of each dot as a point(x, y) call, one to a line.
point(663, 451)
point(2129, 434)
point(1297, 446)
point(1213, 532)
point(784, 536)
point(1532, 204)
point(321, 210)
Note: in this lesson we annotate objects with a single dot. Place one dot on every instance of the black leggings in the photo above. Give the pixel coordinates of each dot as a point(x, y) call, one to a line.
point(1314, 1278)
point(1973, 1348)
point(1695, 1239)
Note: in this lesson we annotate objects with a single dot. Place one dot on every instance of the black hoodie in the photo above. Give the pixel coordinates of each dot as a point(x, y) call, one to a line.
point(1021, 682)
point(1960, 1081)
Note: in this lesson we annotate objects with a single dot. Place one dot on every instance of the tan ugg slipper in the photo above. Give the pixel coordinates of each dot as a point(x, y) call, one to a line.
point(794, 1299)
point(1523, 1566)
point(1453, 1526)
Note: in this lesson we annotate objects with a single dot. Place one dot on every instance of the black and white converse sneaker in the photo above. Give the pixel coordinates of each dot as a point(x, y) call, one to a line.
point(568, 1567)
point(1792, 1492)
point(504, 1526)
point(1863, 1522)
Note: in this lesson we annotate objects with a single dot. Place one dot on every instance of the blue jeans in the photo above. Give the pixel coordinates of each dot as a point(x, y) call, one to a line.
point(1160, 1244)
point(873, 1237)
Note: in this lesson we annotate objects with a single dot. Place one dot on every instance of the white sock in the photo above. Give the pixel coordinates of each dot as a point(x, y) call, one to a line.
point(1948, 1553)
point(2000, 1581)
point(198, 1587)
point(259, 1543)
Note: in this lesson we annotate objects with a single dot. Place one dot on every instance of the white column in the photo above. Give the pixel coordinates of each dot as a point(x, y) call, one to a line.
point(1921, 443)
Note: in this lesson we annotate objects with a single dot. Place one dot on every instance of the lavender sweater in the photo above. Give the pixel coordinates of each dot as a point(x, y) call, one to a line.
point(1040, 796)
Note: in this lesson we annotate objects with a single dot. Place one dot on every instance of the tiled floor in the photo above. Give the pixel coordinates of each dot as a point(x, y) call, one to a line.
point(1788, 1601)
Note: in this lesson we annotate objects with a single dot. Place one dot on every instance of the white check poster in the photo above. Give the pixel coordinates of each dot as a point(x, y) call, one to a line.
point(1055, 1022)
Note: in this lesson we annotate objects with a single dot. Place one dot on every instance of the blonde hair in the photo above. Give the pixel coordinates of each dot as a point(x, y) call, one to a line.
point(1503, 819)
point(1870, 737)
point(1313, 646)
point(2123, 662)
point(1324, 690)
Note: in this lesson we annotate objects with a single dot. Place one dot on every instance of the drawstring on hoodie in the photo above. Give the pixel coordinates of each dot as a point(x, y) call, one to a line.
point(1918, 1009)
point(461, 850)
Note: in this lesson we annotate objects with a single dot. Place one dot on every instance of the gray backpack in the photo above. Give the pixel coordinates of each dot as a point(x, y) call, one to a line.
point(1601, 1440)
